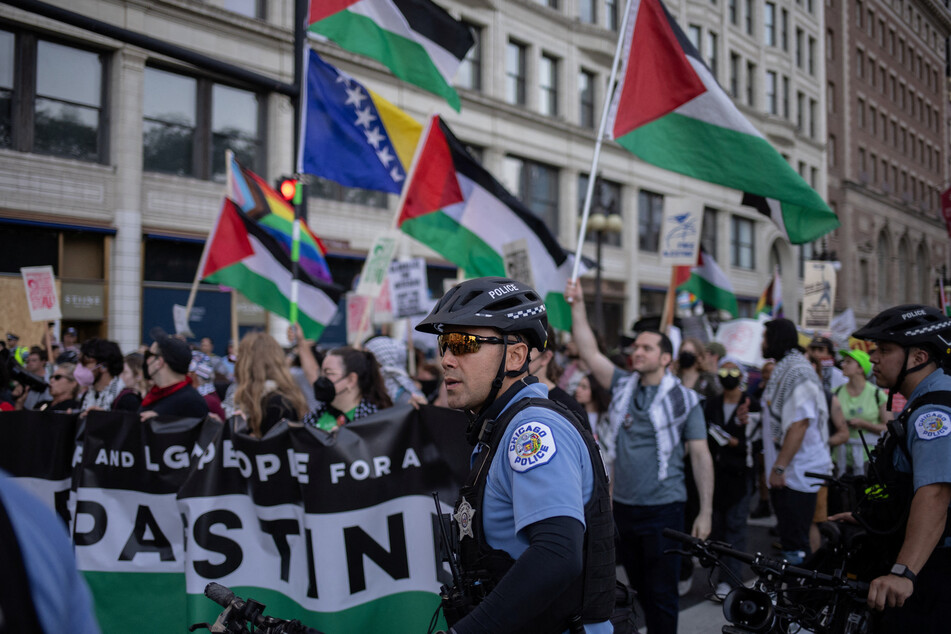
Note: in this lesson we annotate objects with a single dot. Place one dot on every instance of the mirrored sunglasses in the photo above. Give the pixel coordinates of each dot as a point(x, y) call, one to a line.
point(725, 372)
point(460, 343)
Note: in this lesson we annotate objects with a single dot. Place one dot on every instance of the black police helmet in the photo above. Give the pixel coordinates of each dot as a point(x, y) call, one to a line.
point(910, 325)
point(493, 302)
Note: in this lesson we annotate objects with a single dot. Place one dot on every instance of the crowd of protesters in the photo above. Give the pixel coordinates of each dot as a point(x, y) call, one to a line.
point(693, 440)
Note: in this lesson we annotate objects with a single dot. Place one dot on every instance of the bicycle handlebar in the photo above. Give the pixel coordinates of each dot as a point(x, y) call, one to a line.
point(779, 567)
point(219, 594)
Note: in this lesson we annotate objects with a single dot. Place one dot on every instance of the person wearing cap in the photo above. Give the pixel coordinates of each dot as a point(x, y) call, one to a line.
point(823, 351)
point(535, 538)
point(655, 423)
point(12, 340)
point(713, 352)
point(913, 459)
point(863, 405)
point(166, 365)
point(71, 339)
point(99, 370)
point(795, 420)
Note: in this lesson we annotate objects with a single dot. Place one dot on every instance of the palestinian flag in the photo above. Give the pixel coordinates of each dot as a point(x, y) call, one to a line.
point(711, 285)
point(417, 40)
point(669, 110)
point(243, 255)
point(455, 207)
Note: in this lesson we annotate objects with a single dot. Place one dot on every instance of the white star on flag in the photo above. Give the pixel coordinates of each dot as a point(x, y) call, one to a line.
point(396, 174)
point(385, 156)
point(374, 137)
point(355, 96)
point(365, 117)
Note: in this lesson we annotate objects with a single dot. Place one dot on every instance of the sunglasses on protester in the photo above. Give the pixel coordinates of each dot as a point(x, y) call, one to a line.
point(460, 343)
point(60, 377)
point(725, 372)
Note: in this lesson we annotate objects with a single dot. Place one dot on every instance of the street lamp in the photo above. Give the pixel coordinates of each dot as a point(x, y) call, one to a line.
point(600, 223)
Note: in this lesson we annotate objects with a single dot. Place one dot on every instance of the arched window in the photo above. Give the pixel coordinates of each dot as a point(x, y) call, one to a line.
point(924, 294)
point(884, 255)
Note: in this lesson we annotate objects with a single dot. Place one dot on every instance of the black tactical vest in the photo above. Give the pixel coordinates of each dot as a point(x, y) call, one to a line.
point(592, 595)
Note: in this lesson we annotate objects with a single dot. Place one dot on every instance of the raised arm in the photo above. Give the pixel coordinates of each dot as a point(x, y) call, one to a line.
point(601, 366)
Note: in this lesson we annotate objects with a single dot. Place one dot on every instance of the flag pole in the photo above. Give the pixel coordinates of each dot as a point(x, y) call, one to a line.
point(300, 71)
point(592, 175)
point(424, 135)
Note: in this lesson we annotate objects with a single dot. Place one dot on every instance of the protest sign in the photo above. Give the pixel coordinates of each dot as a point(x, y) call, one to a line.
point(818, 295)
point(680, 237)
point(41, 297)
point(373, 275)
point(408, 288)
point(743, 339)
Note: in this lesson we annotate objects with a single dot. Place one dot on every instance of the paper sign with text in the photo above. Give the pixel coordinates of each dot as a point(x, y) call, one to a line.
point(41, 297)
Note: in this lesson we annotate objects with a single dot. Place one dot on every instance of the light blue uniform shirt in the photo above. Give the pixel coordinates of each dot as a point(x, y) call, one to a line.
point(541, 470)
point(929, 436)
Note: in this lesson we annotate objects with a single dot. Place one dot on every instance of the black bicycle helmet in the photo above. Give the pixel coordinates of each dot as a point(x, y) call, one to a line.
point(493, 302)
point(910, 325)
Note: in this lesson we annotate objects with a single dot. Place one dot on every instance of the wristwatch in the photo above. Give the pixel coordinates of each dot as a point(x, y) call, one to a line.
point(778, 470)
point(903, 571)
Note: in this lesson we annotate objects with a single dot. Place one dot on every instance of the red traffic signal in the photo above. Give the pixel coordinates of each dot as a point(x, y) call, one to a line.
point(287, 188)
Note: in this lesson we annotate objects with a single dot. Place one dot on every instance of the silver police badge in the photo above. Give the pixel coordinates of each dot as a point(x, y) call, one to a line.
point(463, 516)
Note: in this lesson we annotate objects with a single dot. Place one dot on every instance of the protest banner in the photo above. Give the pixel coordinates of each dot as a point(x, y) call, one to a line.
point(377, 264)
point(40, 285)
point(337, 530)
point(743, 339)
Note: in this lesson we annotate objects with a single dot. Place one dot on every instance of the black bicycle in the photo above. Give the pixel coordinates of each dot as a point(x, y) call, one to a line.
point(246, 616)
point(784, 599)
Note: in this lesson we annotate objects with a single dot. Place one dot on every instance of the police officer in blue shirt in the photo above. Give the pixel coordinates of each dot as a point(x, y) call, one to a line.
point(913, 350)
point(532, 524)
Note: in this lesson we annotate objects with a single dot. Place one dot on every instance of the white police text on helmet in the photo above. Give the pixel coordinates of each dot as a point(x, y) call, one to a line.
point(505, 289)
point(914, 313)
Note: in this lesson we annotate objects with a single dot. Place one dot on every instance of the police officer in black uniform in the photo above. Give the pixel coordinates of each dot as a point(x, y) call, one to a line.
point(533, 523)
point(914, 462)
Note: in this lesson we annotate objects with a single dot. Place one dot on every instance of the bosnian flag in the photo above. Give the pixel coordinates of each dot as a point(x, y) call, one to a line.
point(455, 207)
point(669, 110)
point(710, 284)
point(243, 255)
point(416, 39)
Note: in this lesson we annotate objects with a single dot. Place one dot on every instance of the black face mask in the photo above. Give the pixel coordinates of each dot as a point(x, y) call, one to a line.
point(687, 360)
point(145, 365)
point(324, 390)
point(729, 382)
point(429, 386)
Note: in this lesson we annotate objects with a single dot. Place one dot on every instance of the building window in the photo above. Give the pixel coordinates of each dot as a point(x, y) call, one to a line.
point(693, 34)
point(248, 8)
point(586, 81)
point(587, 11)
point(800, 110)
point(800, 57)
point(515, 73)
point(785, 97)
point(830, 45)
point(860, 112)
point(176, 139)
point(470, 71)
point(712, 53)
point(650, 215)
point(57, 92)
point(884, 283)
point(708, 232)
point(606, 199)
point(812, 56)
point(812, 118)
point(611, 14)
point(749, 17)
point(772, 103)
point(734, 75)
point(548, 85)
point(830, 150)
point(784, 29)
point(751, 83)
point(741, 243)
point(731, 9)
point(830, 97)
point(536, 184)
point(769, 24)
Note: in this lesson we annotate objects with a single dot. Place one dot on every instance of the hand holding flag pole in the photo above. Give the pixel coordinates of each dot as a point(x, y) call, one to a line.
point(596, 158)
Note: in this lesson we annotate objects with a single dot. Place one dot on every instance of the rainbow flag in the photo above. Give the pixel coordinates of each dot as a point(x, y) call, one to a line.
point(265, 206)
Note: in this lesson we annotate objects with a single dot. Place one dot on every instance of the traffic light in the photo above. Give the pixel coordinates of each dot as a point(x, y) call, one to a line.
point(290, 189)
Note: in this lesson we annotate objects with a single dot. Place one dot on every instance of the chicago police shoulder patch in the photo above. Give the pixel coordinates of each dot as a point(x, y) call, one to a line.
point(531, 445)
point(933, 424)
